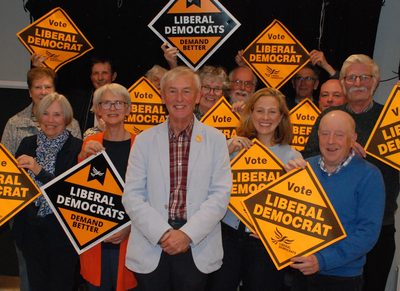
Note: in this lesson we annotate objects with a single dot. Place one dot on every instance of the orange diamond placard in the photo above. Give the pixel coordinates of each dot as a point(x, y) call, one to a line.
point(221, 117)
point(147, 108)
point(294, 217)
point(252, 170)
point(196, 27)
point(17, 189)
point(384, 142)
point(276, 55)
point(303, 117)
point(87, 201)
point(57, 37)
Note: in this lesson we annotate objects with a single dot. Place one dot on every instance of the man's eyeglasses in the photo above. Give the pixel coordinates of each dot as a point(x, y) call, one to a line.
point(364, 79)
point(306, 79)
point(118, 105)
point(239, 83)
point(217, 91)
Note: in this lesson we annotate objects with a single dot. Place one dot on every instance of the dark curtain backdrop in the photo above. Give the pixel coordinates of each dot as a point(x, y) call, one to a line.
point(122, 33)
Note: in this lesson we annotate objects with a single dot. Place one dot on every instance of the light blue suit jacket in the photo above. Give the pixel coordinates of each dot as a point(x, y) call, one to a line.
point(146, 196)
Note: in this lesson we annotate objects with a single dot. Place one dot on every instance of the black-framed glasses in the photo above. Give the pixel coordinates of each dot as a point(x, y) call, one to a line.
point(306, 79)
point(364, 79)
point(239, 83)
point(118, 105)
point(207, 89)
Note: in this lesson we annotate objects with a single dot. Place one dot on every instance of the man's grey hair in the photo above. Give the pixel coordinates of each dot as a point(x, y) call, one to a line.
point(179, 71)
point(360, 59)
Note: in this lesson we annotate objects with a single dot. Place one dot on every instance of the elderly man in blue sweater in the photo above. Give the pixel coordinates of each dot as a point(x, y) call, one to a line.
point(356, 190)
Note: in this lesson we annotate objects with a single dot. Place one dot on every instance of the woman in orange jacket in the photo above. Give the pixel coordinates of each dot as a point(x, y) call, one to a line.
point(103, 266)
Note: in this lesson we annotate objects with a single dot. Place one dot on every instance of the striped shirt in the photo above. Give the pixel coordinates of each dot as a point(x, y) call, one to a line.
point(343, 164)
point(179, 148)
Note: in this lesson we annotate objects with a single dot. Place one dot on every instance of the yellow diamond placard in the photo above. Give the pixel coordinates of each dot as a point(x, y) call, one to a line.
point(17, 189)
point(384, 142)
point(221, 117)
point(57, 37)
point(147, 108)
point(275, 55)
point(303, 117)
point(252, 170)
point(293, 217)
point(87, 201)
point(196, 27)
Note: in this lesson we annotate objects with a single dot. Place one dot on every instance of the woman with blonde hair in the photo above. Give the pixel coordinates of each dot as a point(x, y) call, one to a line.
point(51, 259)
point(265, 117)
point(267, 104)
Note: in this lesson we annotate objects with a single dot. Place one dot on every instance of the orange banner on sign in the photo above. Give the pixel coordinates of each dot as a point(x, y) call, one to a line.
point(275, 55)
point(147, 108)
point(57, 37)
point(252, 170)
point(303, 117)
point(293, 217)
point(221, 117)
point(17, 189)
point(384, 142)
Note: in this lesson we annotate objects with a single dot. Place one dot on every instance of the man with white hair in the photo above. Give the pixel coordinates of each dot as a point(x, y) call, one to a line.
point(177, 190)
point(360, 77)
point(243, 84)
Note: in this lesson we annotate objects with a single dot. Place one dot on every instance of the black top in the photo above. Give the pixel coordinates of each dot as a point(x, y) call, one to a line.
point(118, 151)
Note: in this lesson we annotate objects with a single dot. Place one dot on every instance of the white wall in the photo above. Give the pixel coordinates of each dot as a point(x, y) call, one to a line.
point(387, 48)
point(387, 56)
point(14, 57)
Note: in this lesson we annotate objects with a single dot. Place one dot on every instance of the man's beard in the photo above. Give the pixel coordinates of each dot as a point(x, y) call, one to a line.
point(244, 94)
point(361, 88)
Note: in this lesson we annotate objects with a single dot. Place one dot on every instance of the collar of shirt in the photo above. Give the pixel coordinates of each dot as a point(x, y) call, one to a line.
point(365, 110)
point(343, 164)
point(186, 132)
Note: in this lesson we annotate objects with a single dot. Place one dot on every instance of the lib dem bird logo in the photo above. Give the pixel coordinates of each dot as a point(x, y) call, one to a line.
point(136, 130)
point(95, 172)
point(271, 71)
point(280, 238)
point(52, 57)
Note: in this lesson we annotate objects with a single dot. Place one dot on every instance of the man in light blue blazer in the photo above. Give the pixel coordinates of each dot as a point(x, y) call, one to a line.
point(177, 190)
